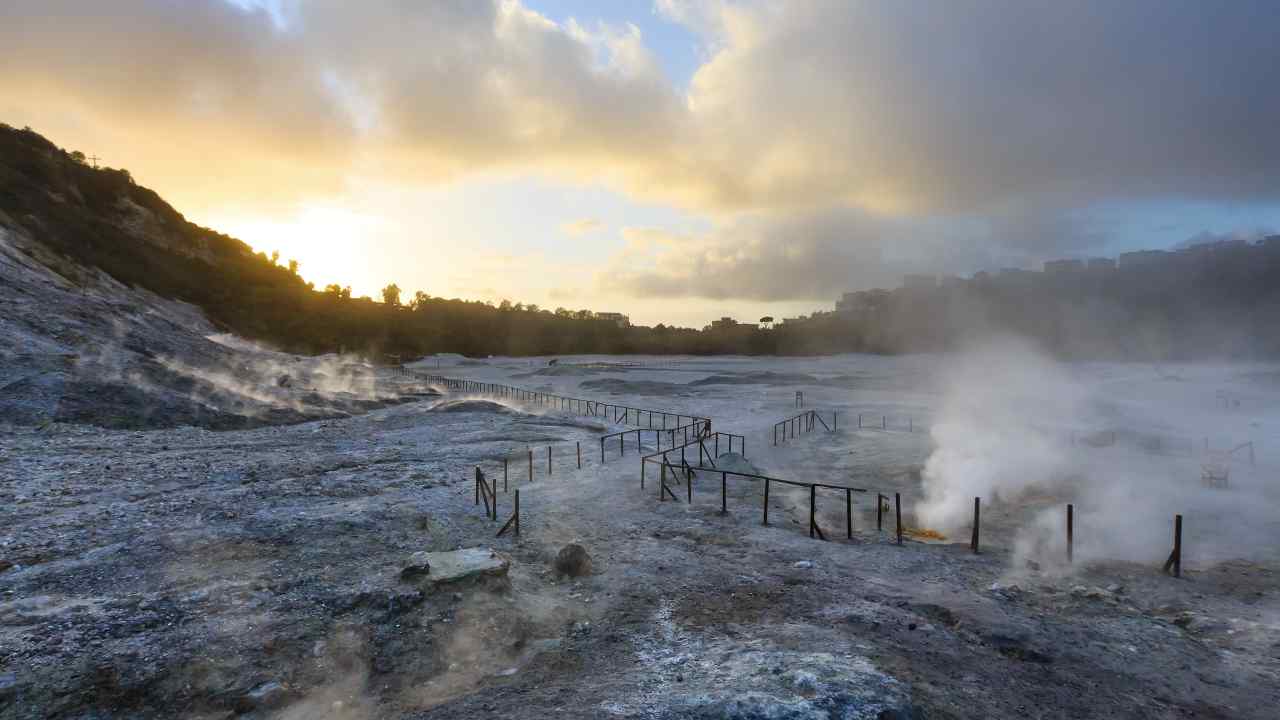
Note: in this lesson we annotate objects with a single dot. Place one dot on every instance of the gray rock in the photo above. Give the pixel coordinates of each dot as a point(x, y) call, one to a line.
point(573, 561)
point(8, 681)
point(804, 681)
point(456, 565)
point(267, 695)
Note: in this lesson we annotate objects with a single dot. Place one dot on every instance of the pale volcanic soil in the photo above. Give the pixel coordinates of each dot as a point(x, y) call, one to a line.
point(255, 572)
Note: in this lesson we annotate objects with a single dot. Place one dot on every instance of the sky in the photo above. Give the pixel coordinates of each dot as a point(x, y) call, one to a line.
point(675, 160)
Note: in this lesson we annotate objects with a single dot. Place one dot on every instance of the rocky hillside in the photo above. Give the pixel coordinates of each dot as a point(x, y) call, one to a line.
point(97, 323)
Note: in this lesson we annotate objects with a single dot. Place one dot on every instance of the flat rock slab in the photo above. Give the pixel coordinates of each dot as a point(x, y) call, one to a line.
point(455, 565)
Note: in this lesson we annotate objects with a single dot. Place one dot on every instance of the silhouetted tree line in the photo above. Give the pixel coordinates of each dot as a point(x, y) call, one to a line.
point(1223, 304)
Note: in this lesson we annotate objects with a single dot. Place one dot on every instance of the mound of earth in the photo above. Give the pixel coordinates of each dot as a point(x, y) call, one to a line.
point(559, 371)
point(766, 377)
point(618, 386)
point(476, 406)
point(734, 462)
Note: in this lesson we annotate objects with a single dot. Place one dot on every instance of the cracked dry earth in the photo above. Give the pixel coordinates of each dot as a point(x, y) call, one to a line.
point(256, 573)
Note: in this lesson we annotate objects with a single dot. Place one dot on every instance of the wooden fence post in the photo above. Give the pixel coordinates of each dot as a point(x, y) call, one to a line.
point(897, 510)
point(813, 507)
point(977, 514)
point(848, 513)
point(1070, 533)
point(766, 501)
point(1175, 557)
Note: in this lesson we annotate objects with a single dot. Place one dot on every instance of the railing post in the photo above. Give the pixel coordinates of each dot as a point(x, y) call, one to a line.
point(1175, 557)
point(813, 507)
point(548, 460)
point(977, 516)
point(848, 513)
point(530, 464)
point(766, 501)
point(897, 511)
point(579, 454)
point(724, 503)
point(1070, 532)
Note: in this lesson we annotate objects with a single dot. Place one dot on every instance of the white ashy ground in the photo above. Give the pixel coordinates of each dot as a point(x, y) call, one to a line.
point(198, 573)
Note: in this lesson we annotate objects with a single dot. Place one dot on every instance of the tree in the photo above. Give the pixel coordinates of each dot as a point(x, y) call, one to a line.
point(293, 267)
point(275, 257)
point(78, 157)
point(391, 295)
point(420, 300)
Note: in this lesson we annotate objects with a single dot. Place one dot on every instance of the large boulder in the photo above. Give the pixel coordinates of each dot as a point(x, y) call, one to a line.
point(573, 561)
point(467, 564)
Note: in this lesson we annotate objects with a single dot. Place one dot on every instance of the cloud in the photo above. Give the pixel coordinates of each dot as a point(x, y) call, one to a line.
point(807, 257)
point(230, 101)
point(834, 143)
point(577, 228)
point(885, 107)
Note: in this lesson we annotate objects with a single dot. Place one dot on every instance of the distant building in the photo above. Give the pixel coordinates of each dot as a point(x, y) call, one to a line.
point(1101, 264)
point(1144, 259)
point(1054, 267)
point(863, 301)
point(919, 282)
point(723, 323)
point(1016, 277)
point(950, 282)
point(727, 323)
point(619, 319)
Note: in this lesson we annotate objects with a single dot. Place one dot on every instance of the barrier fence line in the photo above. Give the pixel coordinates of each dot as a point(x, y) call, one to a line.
point(1172, 566)
point(487, 492)
point(622, 414)
point(885, 424)
point(701, 443)
point(683, 431)
point(806, 421)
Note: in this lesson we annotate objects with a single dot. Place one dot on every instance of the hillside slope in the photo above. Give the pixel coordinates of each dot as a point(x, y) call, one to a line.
point(95, 324)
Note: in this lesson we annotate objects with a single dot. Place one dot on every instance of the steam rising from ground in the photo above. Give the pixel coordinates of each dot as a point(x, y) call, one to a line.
point(1029, 435)
point(986, 445)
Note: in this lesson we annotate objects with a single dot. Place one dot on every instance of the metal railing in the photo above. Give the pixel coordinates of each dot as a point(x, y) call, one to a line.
point(806, 421)
point(616, 413)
